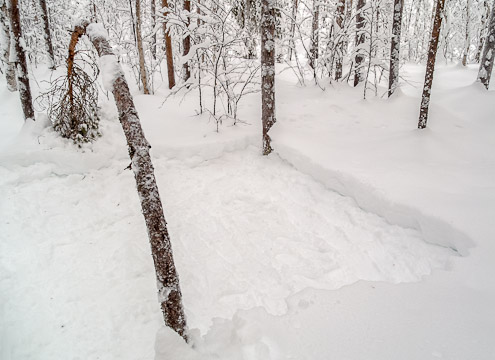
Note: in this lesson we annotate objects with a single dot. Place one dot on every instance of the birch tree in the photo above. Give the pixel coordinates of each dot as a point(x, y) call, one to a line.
point(20, 61)
point(187, 40)
point(430, 65)
point(139, 43)
point(360, 37)
point(393, 79)
point(267, 71)
point(5, 37)
point(486, 63)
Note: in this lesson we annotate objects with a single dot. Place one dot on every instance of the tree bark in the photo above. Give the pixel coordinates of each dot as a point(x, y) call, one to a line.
point(430, 65)
point(168, 49)
point(360, 37)
point(169, 292)
point(267, 71)
point(47, 35)
point(139, 41)
point(482, 32)
point(5, 30)
point(339, 21)
point(292, 49)
point(187, 41)
point(486, 63)
point(466, 38)
point(21, 63)
point(153, 24)
point(393, 80)
point(314, 35)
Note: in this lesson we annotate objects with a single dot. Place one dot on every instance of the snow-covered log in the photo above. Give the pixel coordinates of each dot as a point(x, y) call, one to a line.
point(169, 292)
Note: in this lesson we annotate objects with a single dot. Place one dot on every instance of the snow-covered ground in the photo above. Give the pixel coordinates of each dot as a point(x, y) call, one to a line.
point(359, 238)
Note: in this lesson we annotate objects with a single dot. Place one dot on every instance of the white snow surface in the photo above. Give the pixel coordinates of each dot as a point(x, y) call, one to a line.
point(319, 251)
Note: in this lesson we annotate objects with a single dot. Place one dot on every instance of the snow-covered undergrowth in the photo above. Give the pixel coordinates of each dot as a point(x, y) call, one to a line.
point(261, 244)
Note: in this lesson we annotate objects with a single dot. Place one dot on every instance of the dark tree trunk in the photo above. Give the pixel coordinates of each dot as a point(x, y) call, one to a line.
point(21, 63)
point(360, 37)
point(430, 65)
point(339, 21)
point(169, 292)
point(47, 34)
point(187, 41)
point(486, 63)
point(393, 80)
point(153, 24)
point(267, 71)
point(5, 30)
point(139, 43)
point(168, 50)
point(314, 35)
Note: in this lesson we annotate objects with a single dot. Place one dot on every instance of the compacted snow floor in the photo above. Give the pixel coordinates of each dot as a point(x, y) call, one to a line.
point(261, 247)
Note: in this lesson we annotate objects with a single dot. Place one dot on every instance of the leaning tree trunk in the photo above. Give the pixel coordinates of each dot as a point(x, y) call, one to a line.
point(393, 79)
point(5, 34)
point(339, 21)
point(169, 292)
point(168, 49)
point(360, 37)
point(486, 63)
point(187, 41)
point(267, 71)
point(47, 35)
point(430, 65)
point(139, 41)
point(20, 60)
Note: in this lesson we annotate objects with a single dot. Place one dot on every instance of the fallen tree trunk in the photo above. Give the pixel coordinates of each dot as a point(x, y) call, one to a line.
point(169, 293)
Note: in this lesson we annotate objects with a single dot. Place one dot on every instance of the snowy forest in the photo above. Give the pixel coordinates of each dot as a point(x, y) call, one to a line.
point(247, 179)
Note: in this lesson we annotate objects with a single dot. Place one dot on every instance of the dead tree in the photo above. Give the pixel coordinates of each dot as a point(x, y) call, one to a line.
point(20, 61)
point(47, 35)
point(360, 37)
point(393, 79)
point(430, 65)
point(139, 43)
point(486, 63)
point(5, 34)
point(169, 292)
point(267, 71)
point(187, 40)
point(153, 34)
point(292, 48)
point(168, 48)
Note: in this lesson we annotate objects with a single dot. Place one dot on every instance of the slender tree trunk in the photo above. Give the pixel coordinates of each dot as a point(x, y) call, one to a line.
point(153, 24)
point(292, 49)
point(139, 41)
point(393, 80)
point(21, 63)
point(187, 40)
point(168, 49)
point(47, 34)
point(482, 31)
point(169, 292)
point(466, 39)
point(267, 71)
point(339, 21)
point(430, 65)
point(314, 35)
point(5, 34)
point(486, 64)
point(360, 37)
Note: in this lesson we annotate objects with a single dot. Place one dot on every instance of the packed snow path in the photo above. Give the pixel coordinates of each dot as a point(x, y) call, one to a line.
point(76, 276)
